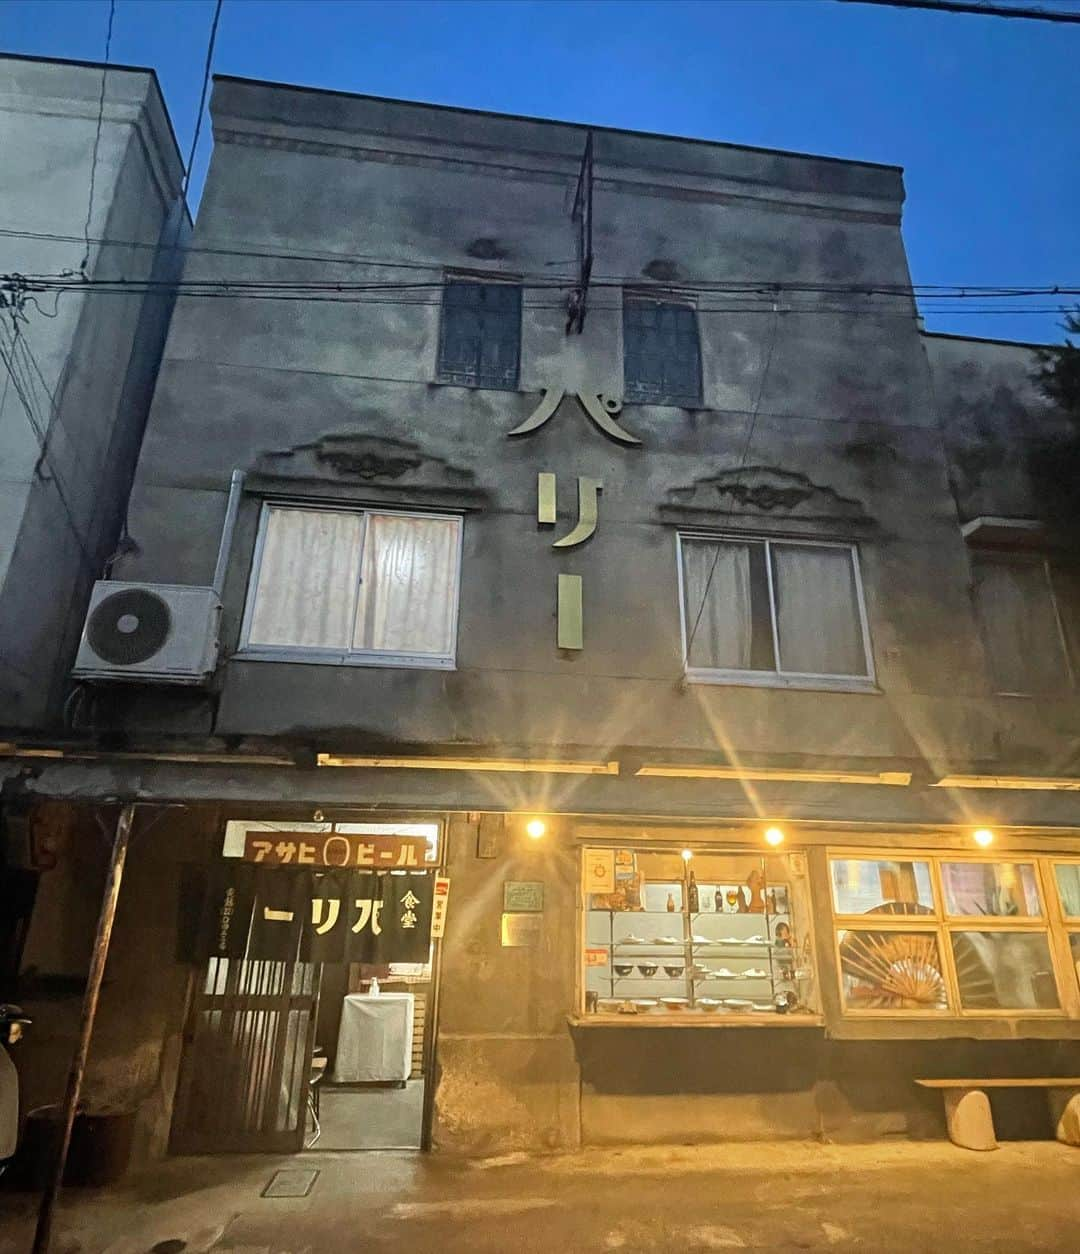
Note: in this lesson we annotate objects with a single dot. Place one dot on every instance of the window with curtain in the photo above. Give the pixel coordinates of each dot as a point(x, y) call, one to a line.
point(480, 334)
point(1023, 631)
point(773, 612)
point(354, 586)
point(661, 353)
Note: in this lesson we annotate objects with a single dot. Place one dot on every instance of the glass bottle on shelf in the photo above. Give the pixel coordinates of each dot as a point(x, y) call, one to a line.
point(692, 895)
point(671, 903)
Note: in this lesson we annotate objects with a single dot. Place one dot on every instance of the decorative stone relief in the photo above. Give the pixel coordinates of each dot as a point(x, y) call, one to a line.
point(761, 489)
point(360, 459)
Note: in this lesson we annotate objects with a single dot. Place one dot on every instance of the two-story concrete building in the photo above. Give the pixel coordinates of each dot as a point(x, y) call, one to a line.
point(716, 645)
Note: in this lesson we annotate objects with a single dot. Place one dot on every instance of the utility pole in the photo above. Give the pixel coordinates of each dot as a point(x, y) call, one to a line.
point(124, 823)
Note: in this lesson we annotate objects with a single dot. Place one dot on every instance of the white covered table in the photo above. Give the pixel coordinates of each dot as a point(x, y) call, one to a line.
point(375, 1038)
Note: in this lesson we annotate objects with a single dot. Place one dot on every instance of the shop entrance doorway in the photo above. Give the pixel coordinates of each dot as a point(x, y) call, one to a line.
point(311, 1018)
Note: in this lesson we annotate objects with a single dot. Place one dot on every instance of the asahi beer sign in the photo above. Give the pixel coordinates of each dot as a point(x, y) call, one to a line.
point(334, 849)
point(364, 846)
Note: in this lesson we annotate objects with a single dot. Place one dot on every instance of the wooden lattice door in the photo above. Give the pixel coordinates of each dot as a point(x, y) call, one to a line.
point(247, 1058)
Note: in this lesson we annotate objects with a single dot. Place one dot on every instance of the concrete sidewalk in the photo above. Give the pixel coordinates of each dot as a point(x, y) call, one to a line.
point(787, 1196)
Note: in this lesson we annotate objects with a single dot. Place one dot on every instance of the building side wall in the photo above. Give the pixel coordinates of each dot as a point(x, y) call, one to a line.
point(86, 361)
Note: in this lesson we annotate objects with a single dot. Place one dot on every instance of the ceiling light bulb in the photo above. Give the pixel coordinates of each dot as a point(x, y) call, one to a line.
point(983, 837)
point(774, 836)
point(687, 854)
point(535, 828)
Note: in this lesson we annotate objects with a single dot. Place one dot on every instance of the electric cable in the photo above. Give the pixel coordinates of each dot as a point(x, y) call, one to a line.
point(751, 425)
point(977, 9)
point(97, 137)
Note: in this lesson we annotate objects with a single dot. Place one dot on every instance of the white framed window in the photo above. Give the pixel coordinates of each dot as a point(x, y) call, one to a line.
point(353, 586)
point(773, 613)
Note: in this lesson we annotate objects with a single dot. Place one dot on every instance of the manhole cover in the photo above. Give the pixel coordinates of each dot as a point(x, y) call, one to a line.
point(290, 1183)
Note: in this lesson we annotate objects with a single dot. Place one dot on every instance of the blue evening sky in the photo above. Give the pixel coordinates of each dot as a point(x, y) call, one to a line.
point(979, 111)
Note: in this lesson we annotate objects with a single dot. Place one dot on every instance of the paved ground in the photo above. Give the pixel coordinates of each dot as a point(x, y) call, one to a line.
point(787, 1197)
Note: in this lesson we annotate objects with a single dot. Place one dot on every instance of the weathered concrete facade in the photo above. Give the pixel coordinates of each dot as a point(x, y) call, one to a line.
point(87, 366)
point(825, 415)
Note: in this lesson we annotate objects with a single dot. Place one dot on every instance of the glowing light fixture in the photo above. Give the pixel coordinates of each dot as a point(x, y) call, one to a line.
point(774, 836)
point(983, 837)
point(535, 828)
point(687, 854)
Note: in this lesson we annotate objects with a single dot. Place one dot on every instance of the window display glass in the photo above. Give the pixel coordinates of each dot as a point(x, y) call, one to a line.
point(890, 970)
point(997, 889)
point(928, 956)
point(715, 934)
point(1074, 947)
point(1067, 875)
point(875, 886)
point(1004, 971)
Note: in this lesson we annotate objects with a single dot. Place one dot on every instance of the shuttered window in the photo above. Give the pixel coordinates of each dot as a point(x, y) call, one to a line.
point(661, 353)
point(480, 342)
point(1026, 615)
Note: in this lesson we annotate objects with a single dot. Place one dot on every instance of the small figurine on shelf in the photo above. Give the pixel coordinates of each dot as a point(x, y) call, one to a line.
point(671, 903)
point(782, 935)
point(772, 900)
point(752, 896)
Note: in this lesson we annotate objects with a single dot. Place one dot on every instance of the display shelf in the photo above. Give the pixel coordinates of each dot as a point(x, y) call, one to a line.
point(742, 939)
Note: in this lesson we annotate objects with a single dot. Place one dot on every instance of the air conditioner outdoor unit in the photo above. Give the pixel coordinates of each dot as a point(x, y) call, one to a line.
point(149, 633)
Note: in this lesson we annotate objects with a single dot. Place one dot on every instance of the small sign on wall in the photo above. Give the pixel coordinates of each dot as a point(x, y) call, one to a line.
point(596, 957)
point(523, 896)
point(438, 908)
point(598, 871)
point(521, 931)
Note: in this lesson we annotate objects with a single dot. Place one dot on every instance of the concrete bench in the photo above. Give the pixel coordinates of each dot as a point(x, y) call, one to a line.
point(971, 1123)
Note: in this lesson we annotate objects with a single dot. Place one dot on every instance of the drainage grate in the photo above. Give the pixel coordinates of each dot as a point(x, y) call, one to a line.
point(290, 1183)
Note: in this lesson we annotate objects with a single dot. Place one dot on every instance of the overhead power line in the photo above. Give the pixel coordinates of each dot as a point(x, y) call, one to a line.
point(1023, 12)
point(202, 99)
point(97, 136)
point(765, 288)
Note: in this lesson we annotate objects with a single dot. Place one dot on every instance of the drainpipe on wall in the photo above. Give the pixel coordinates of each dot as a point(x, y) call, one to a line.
point(232, 508)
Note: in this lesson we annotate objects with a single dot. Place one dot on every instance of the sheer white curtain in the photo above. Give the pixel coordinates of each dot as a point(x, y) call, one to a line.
point(408, 583)
point(1019, 627)
point(306, 587)
point(817, 611)
point(719, 605)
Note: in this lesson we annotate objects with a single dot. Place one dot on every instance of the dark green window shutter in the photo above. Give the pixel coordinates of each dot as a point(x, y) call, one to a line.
point(661, 353)
point(480, 342)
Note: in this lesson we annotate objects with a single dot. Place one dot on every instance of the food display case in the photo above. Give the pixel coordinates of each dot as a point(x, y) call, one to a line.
point(708, 934)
